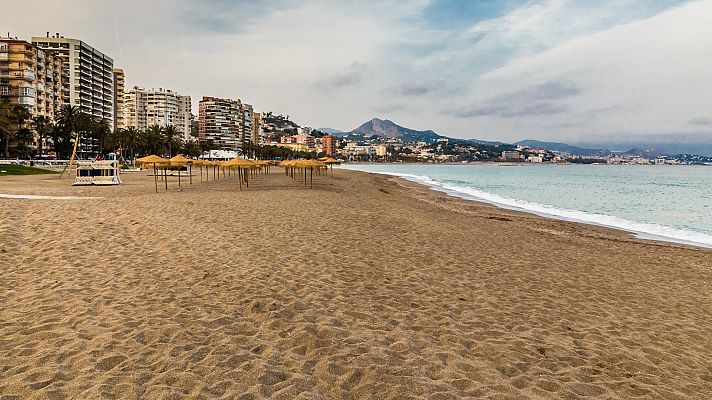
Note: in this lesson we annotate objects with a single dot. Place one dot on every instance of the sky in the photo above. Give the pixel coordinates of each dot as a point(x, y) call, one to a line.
point(578, 71)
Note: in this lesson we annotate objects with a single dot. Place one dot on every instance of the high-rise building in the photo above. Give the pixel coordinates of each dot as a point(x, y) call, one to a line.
point(90, 85)
point(143, 108)
point(119, 86)
point(257, 129)
point(226, 123)
point(328, 145)
point(31, 77)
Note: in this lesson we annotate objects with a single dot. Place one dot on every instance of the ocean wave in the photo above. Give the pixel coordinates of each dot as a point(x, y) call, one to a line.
point(642, 230)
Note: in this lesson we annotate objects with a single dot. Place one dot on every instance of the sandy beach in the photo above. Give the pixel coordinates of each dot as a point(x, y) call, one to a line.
point(364, 287)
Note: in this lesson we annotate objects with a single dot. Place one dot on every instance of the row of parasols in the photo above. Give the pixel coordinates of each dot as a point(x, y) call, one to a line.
point(242, 168)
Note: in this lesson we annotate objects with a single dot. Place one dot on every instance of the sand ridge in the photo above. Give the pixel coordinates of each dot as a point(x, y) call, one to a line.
point(360, 288)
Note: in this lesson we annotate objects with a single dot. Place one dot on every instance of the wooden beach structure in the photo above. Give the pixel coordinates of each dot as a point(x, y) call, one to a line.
point(101, 173)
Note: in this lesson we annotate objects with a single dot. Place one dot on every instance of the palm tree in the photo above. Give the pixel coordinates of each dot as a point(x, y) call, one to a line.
point(153, 140)
point(23, 136)
point(12, 117)
point(43, 126)
point(6, 108)
point(170, 132)
point(69, 118)
point(132, 139)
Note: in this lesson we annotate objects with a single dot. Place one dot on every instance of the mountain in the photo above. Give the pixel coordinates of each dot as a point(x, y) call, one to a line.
point(646, 153)
point(564, 148)
point(387, 128)
point(331, 131)
point(486, 142)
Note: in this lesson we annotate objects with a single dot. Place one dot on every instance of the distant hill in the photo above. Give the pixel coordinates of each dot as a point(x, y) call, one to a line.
point(331, 131)
point(486, 142)
point(647, 153)
point(387, 128)
point(564, 148)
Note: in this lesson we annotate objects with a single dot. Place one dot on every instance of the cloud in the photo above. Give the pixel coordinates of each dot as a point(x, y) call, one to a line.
point(702, 121)
point(534, 100)
point(502, 70)
point(389, 108)
point(353, 75)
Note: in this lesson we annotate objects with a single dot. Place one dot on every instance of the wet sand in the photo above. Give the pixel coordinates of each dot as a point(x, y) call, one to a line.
point(364, 287)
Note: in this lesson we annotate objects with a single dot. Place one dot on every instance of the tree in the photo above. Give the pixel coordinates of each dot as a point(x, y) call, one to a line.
point(170, 133)
point(191, 149)
point(6, 121)
point(12, 118)
point(132, 140)
point(61, 141)
point(69, 118)
point(43, 126)
point(153, 140)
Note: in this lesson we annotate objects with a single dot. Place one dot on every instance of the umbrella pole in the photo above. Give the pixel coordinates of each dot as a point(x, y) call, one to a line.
point(190, 173)
point(155, 176)
point(239, 172)
point(165, 177)
point(179, 171)
point(311, 178)
point(305, 176)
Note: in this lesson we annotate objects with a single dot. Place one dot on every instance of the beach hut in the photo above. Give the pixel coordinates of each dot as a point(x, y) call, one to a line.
point(156, 161)
point(105, 172)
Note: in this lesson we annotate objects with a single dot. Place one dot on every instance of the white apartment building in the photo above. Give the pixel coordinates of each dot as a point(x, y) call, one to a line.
point(227, 123)
point(91, 75)
point(143, 108)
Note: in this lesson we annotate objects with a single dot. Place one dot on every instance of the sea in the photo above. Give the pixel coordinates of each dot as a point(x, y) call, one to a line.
point(659, 202)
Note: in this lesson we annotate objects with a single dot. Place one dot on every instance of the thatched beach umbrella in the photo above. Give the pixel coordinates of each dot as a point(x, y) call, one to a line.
point(155, 160)
point(179, 161)
point(242, 167)
point(311, 165)
point(330, 162)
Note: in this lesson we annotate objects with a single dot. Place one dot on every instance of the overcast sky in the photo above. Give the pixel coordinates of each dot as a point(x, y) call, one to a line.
point(570, 70)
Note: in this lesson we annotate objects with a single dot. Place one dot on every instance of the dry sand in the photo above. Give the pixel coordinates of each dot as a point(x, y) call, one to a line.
point(364, 287)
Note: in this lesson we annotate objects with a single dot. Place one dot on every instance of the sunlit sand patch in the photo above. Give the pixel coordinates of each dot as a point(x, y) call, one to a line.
point(39, 197)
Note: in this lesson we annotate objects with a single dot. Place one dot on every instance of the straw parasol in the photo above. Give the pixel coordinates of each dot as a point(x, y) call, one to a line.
point(311, 165)
point(242, 165)
point(180, 161)
point(329, 161)
point(155, 160)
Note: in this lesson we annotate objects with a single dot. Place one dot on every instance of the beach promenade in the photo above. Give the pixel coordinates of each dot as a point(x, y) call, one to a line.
point(364, 287)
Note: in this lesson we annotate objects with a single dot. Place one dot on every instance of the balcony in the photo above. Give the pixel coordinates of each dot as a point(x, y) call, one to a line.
point(26, 101)
point(26, 75)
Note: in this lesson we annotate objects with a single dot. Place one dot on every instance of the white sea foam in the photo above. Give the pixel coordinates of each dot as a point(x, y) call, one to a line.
point(640, 229)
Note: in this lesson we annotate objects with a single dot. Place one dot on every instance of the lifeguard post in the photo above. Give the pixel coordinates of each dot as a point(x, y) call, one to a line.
point(105, 172)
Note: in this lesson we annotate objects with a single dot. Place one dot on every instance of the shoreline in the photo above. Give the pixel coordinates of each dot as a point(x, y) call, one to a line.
point(641, 235)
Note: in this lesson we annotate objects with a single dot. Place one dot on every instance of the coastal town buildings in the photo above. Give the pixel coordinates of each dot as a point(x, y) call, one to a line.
point(328, 145)
point(119, 87)
point(511, 156)
point(143, 108)
point(90, 83)
point(227, 123)
point(31, 77)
